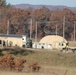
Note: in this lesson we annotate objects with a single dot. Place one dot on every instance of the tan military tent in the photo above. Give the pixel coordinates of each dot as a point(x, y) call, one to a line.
point(54, 40)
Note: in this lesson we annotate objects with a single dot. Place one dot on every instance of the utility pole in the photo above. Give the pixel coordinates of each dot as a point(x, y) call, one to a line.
point(0, 18)
point(8, 27)
point(74, 30)
point(64, 26)
point(36, 36)
point(56, 29)
point(31, 29)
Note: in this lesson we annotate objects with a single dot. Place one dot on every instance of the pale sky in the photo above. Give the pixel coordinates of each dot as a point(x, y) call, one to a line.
point(69, 3)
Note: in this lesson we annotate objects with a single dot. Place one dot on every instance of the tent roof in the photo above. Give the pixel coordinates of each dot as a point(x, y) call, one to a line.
point(50, 39)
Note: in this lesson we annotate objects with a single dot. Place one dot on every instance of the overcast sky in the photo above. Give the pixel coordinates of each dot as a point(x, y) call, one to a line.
point(69, 3)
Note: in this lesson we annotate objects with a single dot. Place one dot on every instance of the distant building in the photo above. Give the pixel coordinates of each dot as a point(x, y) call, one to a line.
point(51, 42)
point(12, 40)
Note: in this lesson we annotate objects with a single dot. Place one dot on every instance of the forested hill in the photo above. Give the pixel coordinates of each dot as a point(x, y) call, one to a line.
point(47, 20)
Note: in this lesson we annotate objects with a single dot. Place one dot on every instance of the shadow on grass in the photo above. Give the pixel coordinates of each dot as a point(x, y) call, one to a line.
point(1, 53)
point(16, 51)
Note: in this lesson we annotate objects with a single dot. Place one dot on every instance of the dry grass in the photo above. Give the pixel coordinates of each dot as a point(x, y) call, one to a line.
point(51, 62)
point(53, 58)
point(45, 71)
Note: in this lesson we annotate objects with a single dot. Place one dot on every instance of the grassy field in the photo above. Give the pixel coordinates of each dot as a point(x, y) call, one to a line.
point(51, 62)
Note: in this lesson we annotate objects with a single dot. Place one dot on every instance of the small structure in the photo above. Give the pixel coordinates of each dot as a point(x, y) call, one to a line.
point(12, 40)
point(42, 45)
point(53, 42)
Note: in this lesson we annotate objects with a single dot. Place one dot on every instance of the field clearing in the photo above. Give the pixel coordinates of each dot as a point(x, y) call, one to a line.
point(51, 62)
point(45, 71)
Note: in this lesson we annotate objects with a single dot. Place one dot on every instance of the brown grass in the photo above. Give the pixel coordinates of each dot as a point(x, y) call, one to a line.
point(45, 71)
point(51, 62)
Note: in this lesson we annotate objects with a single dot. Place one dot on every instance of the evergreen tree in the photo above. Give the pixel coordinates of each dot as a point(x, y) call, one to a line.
point(3, 3)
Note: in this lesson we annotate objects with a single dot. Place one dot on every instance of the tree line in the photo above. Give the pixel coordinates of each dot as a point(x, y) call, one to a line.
point(20, 21)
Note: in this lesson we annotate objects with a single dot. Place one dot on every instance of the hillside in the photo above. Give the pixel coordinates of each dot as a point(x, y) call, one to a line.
point(45, 57)
point(51, 62)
